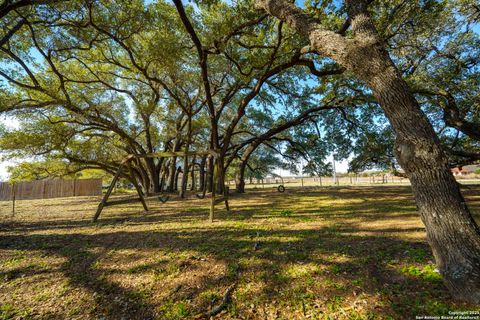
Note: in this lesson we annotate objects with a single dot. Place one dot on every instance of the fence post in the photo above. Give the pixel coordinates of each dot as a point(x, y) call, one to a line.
point(13, 199)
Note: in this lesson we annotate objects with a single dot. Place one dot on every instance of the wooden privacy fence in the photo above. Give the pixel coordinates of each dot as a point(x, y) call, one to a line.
point(46, 189)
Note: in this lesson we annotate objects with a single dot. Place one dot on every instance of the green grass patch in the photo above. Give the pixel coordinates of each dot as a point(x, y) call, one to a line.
point(173, 310)
point(139, 268)
point(427, 273)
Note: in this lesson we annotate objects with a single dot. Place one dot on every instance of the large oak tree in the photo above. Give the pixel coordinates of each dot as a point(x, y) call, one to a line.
point(452, 233)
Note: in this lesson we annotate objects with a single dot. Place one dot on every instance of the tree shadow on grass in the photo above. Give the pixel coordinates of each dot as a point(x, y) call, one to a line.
point(111, 300)
point(345, 265)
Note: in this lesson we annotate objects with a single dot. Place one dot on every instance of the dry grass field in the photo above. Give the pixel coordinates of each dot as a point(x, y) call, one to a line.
point(331, 253)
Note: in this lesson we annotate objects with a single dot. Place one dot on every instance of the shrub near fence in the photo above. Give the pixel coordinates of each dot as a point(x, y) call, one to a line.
point(47, 189)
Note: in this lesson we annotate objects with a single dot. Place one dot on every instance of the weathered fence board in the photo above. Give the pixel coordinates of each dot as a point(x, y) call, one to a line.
point(90, 187)
point(5, 191)
point(47, 189)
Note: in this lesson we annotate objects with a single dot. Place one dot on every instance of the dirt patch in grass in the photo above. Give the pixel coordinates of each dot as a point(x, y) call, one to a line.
point(327, 253)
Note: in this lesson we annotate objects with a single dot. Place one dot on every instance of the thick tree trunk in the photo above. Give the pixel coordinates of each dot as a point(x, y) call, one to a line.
point(201, 173)
point(452, 233)
point(220, 174)
point(162, 182)
point(153, 176)
point(163, 174)
point(183, 185)
point(143, 176)
point(158, 168)
point(240, 178)
point(193, 184)
point(451, 230)
point(175, 180)
point(172, 174)
point(209, 175)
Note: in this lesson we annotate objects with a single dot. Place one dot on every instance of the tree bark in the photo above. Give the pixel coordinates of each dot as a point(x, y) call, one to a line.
point(451, 230)
point(220, 174)
point(153, 176)
point(175, 182)
point(177, 173)
point(209, 175)
point(162, 182)
point(183, 185)
point(143, 176)
point(184, 182)
point(193, 185)
point(240, 177)
point(452, 233)
point(172, 174)
point(163, 173)
point(201, 169)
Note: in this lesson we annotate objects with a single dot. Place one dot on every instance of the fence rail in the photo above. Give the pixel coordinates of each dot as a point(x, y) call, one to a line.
point(47, 189)
point(328, 181)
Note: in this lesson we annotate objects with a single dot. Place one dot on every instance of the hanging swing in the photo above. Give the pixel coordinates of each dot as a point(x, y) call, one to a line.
point(281, 187)
point(126, 163)
point(163, 199)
